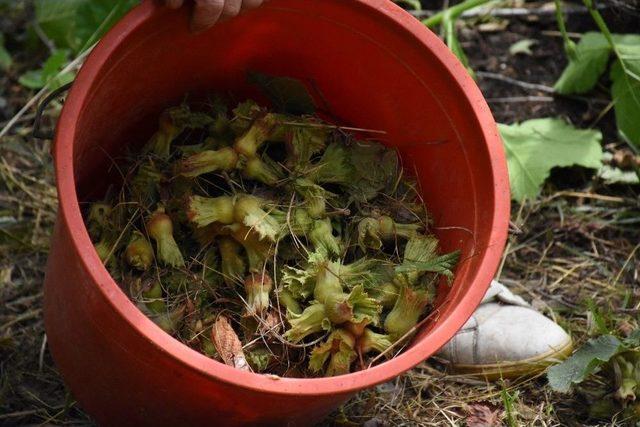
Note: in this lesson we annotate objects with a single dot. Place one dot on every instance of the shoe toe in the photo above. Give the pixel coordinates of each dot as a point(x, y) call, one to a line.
point(516, 334)
point(508, 341)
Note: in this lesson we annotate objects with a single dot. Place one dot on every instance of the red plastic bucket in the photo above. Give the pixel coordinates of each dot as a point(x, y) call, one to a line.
point(376, 67)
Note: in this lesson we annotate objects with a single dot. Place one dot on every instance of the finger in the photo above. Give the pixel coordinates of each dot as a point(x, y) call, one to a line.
point(251, 4)
point(231, 9)
point(206, 13)
point(174, 4)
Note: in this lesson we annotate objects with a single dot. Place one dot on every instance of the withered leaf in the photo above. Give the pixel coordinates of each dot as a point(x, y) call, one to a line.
point(482, 416)
point(228, 344)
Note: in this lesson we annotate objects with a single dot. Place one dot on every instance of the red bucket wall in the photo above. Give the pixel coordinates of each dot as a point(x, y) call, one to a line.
point(372, 66)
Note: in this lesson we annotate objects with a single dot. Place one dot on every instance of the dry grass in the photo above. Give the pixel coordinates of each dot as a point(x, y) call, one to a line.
point(30, 388)
point(567, 252)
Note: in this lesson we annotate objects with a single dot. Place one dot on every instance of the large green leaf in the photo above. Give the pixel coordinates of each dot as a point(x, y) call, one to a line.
point(77, 24)
point(57, 20)
point(72, 25)
point(583, 362)
point(625, 90)
point(590, 62)
point(536, 146)
point(94, 18)
point(49, 73)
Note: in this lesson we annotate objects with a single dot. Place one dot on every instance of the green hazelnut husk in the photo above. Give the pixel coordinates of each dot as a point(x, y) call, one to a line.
point(139, 252)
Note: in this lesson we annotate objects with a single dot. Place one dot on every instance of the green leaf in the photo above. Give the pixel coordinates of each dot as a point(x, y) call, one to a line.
point(56, 18)
point(288, 95)
point(95, 17)
point(625, 91)
point(60, 80)
point(583, 362)
point(49, 73)
point(77, 24)
point(413, 4)
point(536, 146)
point(5, 56)
point(54, 63)
point(375, 167)
point(633, 340)
point(583, 72)
point(32, 79)
point(522, 47)
point(443, 264)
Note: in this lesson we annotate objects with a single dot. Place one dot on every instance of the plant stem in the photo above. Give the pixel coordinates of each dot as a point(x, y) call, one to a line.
point(507, 400)
point(604, 29)
point(599, 20)
point(563, 29)
point(454, 12)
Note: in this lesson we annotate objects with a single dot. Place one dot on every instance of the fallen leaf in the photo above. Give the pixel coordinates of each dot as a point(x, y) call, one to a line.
point(493, 26)
point(228, 344)
point(625, 159)
point(522, 47)
point(482, 416)
point(270, 324)
point(534, 147)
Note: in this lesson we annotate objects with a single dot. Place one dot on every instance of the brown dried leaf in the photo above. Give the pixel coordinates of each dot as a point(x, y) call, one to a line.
point(228, 344)
point(270, 324)
point(625, 159)
point(482, 416)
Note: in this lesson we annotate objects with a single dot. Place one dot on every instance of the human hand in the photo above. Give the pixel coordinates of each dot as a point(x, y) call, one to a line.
point(207, 12)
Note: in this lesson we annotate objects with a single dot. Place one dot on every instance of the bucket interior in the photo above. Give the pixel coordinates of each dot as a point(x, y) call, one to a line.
point(360, 68)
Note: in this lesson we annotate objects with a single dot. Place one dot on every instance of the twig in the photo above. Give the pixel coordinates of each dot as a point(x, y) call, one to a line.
point(43, 37)
point(454, 12)
point(328, 126)
point(511, 99)
point(624, 267)
point(507, 12)
point(586, 196)
point(25, 316)
point(555, 33)
point(18, 414)
point(43, 347)
point(525, 85)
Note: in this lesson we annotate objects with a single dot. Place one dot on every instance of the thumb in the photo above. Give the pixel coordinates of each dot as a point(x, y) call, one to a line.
point(206, 13)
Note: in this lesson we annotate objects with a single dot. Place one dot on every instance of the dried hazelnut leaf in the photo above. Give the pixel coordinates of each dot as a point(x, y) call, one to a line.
point(228, 344)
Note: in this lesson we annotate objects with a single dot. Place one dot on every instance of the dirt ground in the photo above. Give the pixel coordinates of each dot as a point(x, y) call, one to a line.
point(573, 252)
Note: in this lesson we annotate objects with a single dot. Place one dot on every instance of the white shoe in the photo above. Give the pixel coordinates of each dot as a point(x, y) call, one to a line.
point(506, 338)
